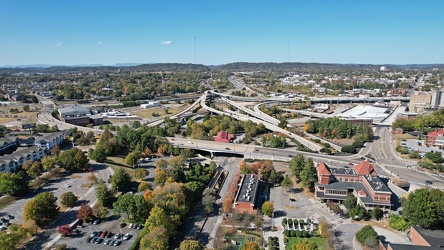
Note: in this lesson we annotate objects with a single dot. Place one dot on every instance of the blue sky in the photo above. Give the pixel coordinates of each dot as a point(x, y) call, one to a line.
point(224, 31)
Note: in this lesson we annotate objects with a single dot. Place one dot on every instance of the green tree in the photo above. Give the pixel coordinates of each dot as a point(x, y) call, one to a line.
point(159, 217)
point(11, 240)
point(68, 199)
point(286, 182)
point(350, 202)
point(296, 165)
point(208, 200)
point(141, 173)
point(376, 213)
point(133, 205)
point(102, 213)
point(14, 184)
point(190, 245)
point(308, 174)
point(120, 180)
point(73, 159)
point(131, 159)
point(143, 186)
point(367, 232)
point(268, 208)
point(49, 162)
point(424, 208)
point(103, 194)
point(283, 123)
point(42, 207)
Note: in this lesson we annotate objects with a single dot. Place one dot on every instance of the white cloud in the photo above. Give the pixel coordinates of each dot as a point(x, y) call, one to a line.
point(99, 43)
point(166, 42)
point(58, 44)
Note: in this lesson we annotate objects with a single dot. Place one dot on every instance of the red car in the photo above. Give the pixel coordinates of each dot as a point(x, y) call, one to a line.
point(103, 234)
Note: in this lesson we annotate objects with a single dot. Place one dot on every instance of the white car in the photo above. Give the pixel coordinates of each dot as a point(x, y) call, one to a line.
point(68, 185)
point(190, 142)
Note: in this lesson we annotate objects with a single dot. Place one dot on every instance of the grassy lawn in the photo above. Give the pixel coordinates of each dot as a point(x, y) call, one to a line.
point(6, 200)
point(147, 113)
point(320, 242)
point(240, 239)
point(118, 162)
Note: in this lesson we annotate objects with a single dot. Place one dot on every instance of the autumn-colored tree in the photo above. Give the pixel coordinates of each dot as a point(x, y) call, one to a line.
point(92, 178)
point(141, 173)
point(64, 230)
point(68, 199)
point(85, 212)
point(162, 164)
point(305, 245)
point(147, 152)
point(102, 213)
point(190, 245)
point(148, 195)
point(268, 208)
point(227, 204)
point(42, 207)
point(156, 238)
point(143, 186)
point(250, 245)
point(160, 177)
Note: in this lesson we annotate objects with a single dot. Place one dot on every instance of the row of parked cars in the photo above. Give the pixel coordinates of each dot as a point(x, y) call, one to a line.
point(105, 237)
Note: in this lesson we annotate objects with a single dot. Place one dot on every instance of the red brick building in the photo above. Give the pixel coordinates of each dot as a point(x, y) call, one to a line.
point(421, 239)
point(223, 136)
point(246, 198)
point(435, 138)
point(335, 183)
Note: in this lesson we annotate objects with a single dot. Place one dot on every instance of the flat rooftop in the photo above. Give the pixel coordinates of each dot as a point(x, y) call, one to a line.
point(366, 111)
point(248, 189)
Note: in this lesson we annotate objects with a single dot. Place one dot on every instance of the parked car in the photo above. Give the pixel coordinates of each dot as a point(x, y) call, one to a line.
point(122, 225)
point(107, 242)
point(118, 242)
point(96, 222)
point(127, 236)
point(117, 236)
point(10, 217)
point(131, 225)
point(93, 234)
point(103, 234)
point(99, 240)
point(68, 185)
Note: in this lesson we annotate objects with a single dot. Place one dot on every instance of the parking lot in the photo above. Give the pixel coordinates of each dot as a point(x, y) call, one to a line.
point(414, 144)
point(112, 224)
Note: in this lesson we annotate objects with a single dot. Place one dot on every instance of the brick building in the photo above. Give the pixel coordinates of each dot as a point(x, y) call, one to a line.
point(435, 138)
point(421, 239)
point(246, 198)
point(335, 183)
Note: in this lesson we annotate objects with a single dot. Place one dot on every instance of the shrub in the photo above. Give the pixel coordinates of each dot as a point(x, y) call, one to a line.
point(290, 222)
point(294, 233)
point(298, 234)
point(285, 240)
point(399, 223)
point(305, 234)
point(284, 222)
point(302, 222)
point(367, 232)
point(287, 233)
point(317, 140)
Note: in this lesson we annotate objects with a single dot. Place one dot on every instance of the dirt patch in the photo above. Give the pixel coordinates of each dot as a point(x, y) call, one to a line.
point(6, 119)
point(404, 136)
point(75, 176)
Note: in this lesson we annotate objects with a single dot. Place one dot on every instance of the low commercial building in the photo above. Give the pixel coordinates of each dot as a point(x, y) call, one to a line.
point(435, 138)
point(335, 183)
point(150, 105)
point(76, 115)
point(246, 198)
point(420, 101)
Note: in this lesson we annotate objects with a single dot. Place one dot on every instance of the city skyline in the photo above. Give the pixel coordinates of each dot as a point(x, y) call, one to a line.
point(213, 33)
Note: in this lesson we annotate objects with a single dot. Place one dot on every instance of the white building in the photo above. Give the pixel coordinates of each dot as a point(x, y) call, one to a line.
point(149, 105)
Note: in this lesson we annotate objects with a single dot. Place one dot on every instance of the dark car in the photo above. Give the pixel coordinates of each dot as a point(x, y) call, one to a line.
point(90, 240)
point(94, 234)
point(227, 148)
point(117, 236)
point(99, 240)
point(96, 222)
point(429, 182)
point(122, 225)
point(108, 235)
point(10, 217)
point(290, 155)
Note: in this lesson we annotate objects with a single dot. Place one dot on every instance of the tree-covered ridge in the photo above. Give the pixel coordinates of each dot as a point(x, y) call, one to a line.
point(338, 128)
point(433, 120)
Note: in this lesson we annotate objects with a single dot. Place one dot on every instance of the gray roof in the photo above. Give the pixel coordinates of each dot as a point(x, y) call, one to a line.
point(377, 184)
point(7, 139)
point(342, 170)
point(248, 189)
point(74, 109)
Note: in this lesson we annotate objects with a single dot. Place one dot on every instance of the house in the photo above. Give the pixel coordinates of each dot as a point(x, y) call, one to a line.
point(223, 136)
point(335, 183)
point(435, 138)
point(246, 198)
point(8, 143)
point(421, 238)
